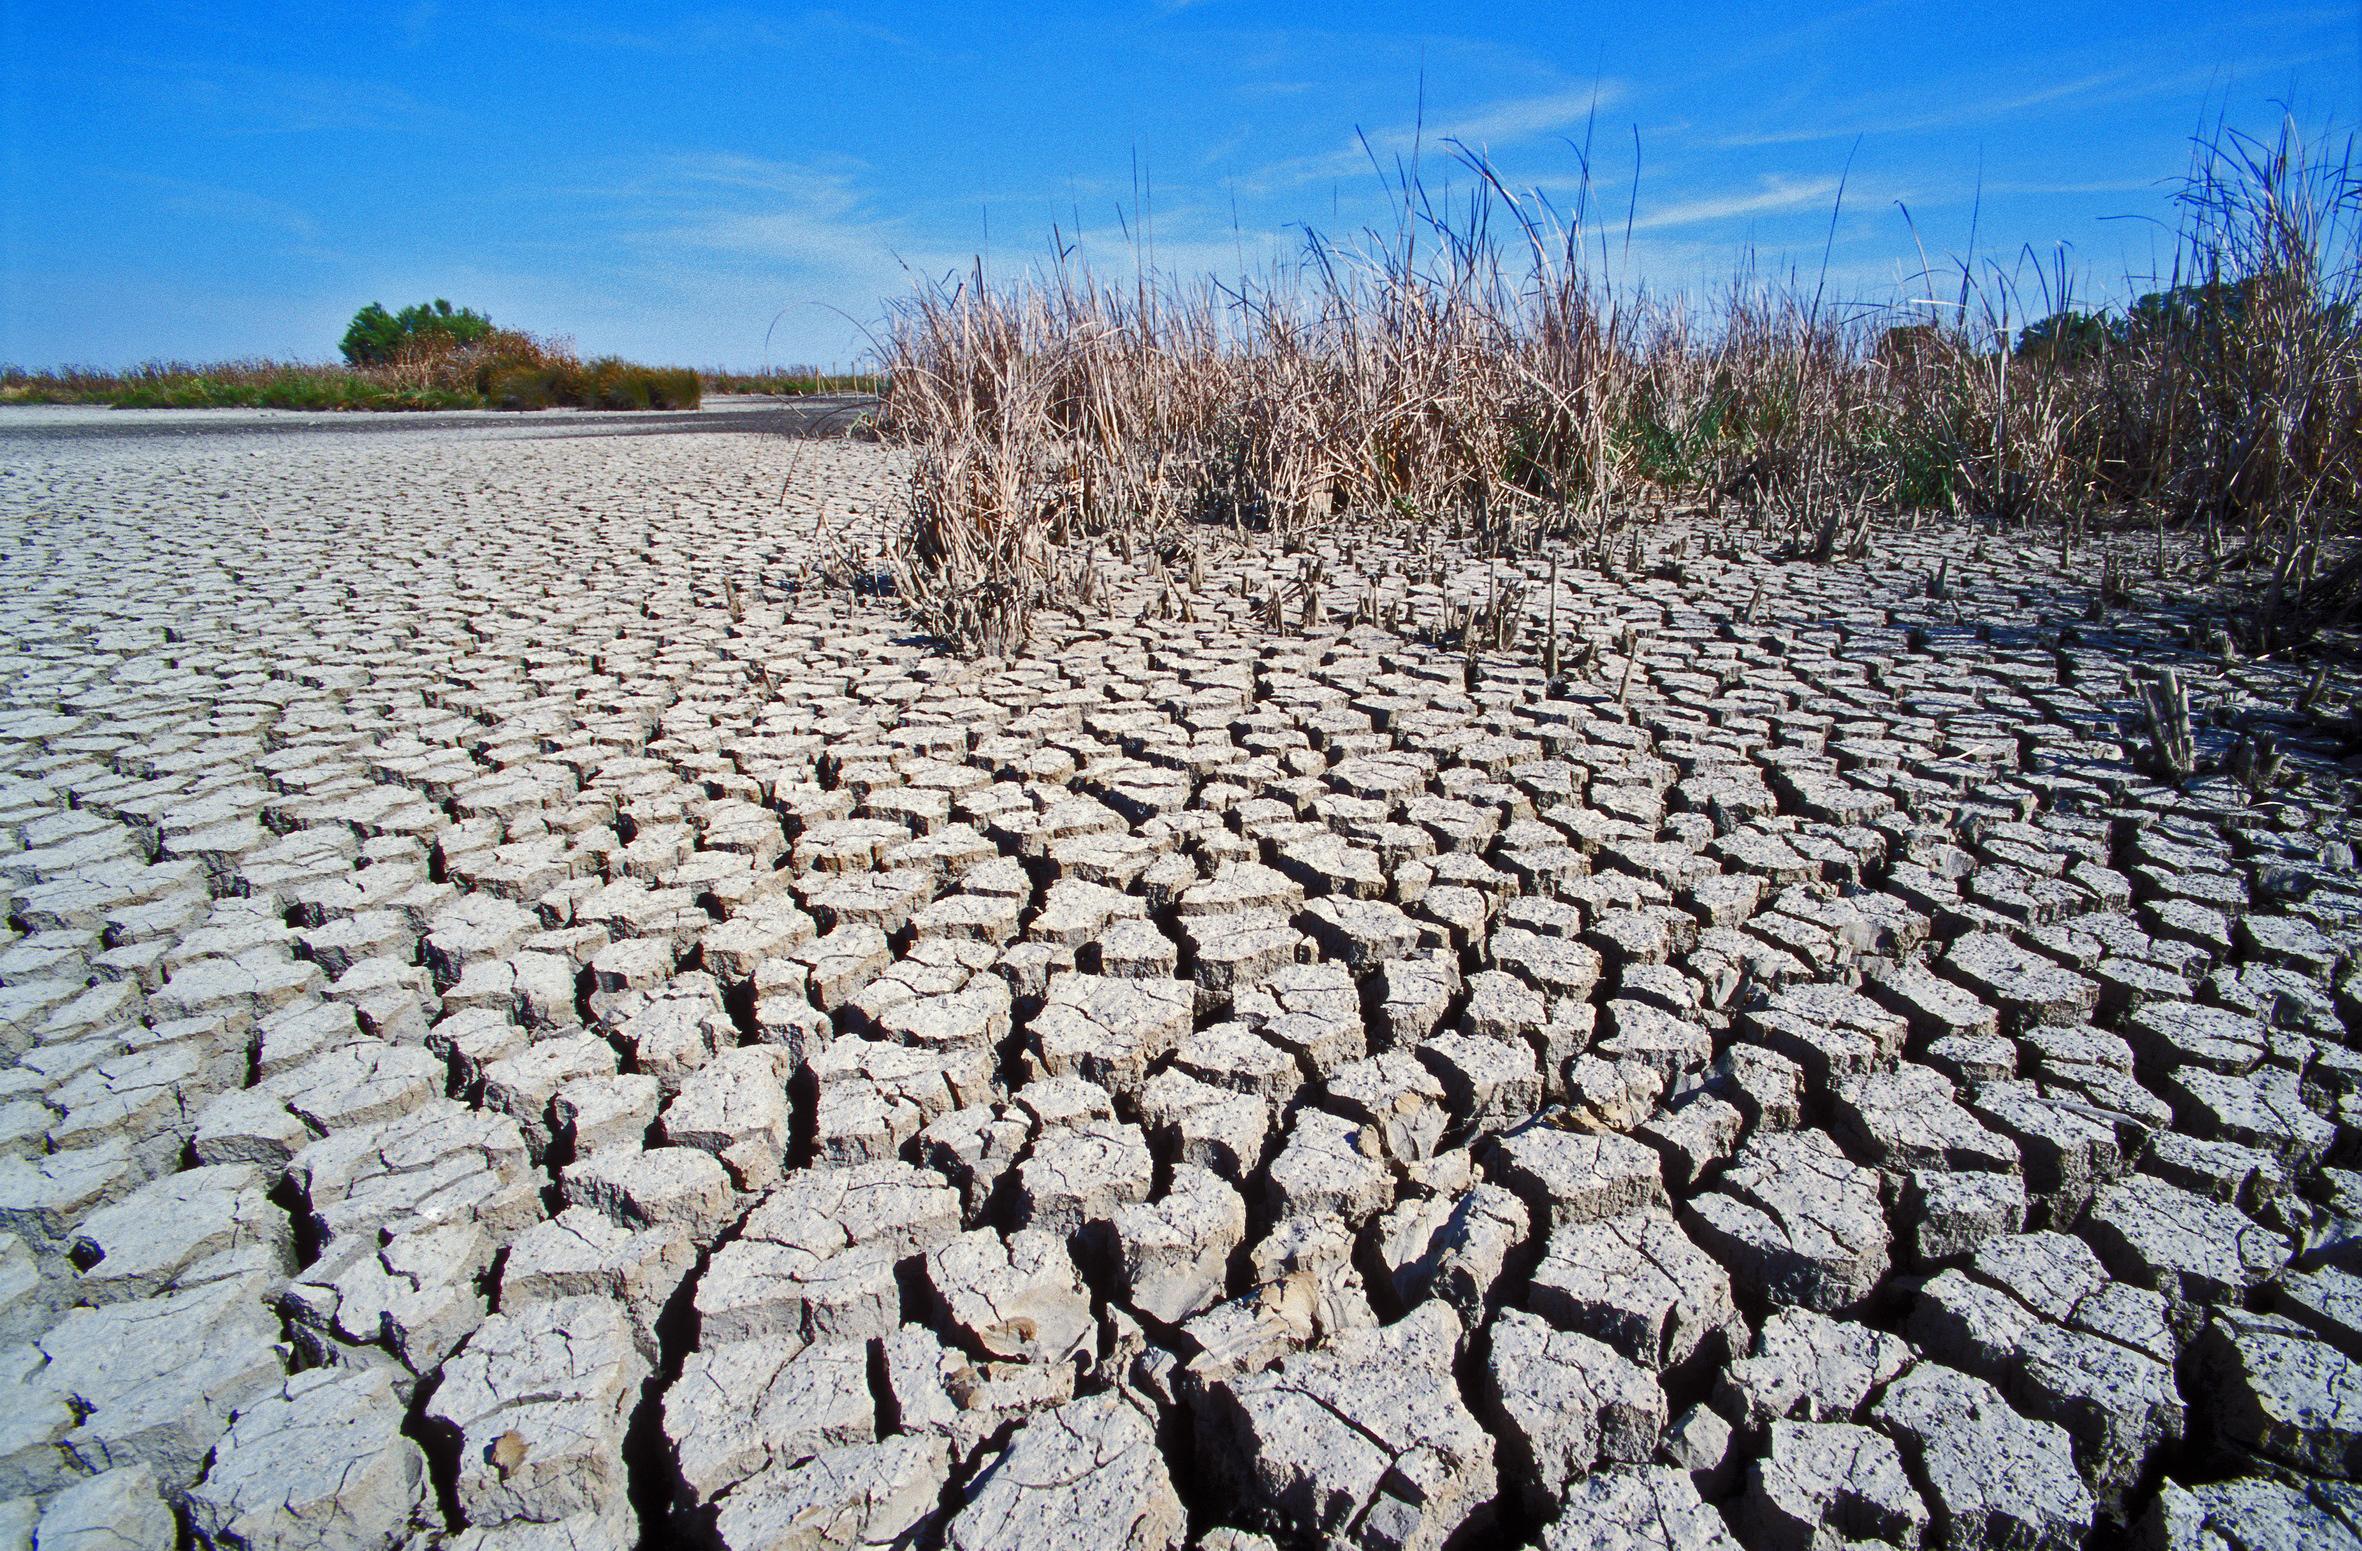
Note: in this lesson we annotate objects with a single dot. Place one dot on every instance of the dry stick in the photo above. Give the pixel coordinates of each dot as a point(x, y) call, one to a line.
point(1550, 666)
point(2311, 698)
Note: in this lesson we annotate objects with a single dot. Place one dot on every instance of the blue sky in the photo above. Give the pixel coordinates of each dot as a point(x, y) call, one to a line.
point(730, 185)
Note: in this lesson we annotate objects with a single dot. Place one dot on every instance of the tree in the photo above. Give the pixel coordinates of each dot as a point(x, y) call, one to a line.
point(1912, 347)
point(376, 336)
point(2188, 308)
point(2065, 336)
point(372, 336)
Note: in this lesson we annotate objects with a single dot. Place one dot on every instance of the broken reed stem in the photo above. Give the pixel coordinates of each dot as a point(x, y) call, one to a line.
point(1550, 650)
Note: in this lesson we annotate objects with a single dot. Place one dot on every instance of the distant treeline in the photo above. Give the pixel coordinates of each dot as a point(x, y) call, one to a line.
point(428, 356)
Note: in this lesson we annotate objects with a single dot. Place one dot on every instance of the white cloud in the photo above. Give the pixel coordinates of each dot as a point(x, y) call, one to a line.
point(2082, 88)
point(249, 99)
point(793, 260)
point(690, 34)
point(1504, 121)
point(218, 202)
point(797, 214)
point(1516, 119)
point(1776, 194)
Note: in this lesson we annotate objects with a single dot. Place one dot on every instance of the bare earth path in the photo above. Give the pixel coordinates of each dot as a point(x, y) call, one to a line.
point(529, 1020)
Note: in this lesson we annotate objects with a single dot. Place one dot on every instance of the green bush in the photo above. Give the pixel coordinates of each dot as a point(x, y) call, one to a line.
point(376, 336)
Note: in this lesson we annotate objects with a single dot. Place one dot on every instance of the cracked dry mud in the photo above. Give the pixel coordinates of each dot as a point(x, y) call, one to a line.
point(528, 1023)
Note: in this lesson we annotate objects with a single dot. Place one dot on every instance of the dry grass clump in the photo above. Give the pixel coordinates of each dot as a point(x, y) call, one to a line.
point(1394, 380)
point(1474, 367)
point(535, 374)
point(788, 381)
point(2230, 398)
point(244, 384)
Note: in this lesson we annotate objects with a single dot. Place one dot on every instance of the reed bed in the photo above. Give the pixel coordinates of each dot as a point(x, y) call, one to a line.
point(1475, 367)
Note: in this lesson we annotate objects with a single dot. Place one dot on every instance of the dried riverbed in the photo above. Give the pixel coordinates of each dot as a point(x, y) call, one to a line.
point(531, 1021)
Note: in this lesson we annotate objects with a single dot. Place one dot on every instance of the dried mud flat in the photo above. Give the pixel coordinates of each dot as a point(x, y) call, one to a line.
point(523, 1031)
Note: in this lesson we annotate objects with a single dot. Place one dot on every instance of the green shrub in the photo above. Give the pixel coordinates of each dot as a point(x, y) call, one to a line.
point(376, 337)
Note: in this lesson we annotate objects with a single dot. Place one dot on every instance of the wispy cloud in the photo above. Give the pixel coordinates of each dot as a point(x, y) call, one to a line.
point(2043, 87)
point(1226, 147)
point(1516, 119)
point(243, 99)
point(1775, 194)
point(1187, 244)
point(760, 174)
point(2071, 186)
point(417, 24)
point(794, 214)
point(1505, 121)
point(1953, 116)
point(709, 32)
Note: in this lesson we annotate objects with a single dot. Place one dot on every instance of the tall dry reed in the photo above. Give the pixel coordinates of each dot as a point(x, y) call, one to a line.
point(1475, 365)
